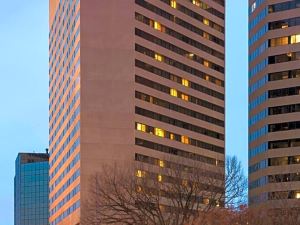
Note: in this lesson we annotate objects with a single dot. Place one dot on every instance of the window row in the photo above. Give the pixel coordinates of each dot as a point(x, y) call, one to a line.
point(280, 195)
point(284, 92)
point(175, 137)
point(288, 143)
point(207, 8)
point(178, 152)
point(288, 177)
point(195, 15)
point(282, 161)
point(182, 9)
point(160, 27)
point(284, 126)
point(291, 56)
point(178, 79)
point(289, 74)
point(178, 65)
point(287, 40)
point(283, 6)
point(178, 123)
point(281, 24)
point(178, 50)
point(284, 109)
point(175, 165)
point(178, 108)
point(178, 94)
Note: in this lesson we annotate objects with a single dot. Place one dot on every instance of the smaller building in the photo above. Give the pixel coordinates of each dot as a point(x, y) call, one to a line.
point(31, 189)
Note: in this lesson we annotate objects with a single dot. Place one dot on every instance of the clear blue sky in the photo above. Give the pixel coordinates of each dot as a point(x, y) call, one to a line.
point(24, 86)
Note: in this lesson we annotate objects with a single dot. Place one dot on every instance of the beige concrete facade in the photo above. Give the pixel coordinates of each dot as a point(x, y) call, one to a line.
point(147, 74)
point(271, 181)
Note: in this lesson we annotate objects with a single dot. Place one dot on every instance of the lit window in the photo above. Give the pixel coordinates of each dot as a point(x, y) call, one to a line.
point(185, 139)
point(161, 163)
point(206, 201)
point(298, 195)
point(172, 136)
point(140, 173)
point(185, 82)
point(138, 188)
point(206, 63)
point(141, 127)
point(206, 21)
point(190, 55)
point(159, 178)
point(295, 39)
point(285, 25)
point(206, 35)
point(159, 132)
point(184, 97)
point(173, 4)
point(158, 57)
point(184, 183)
point(206, 77)
point(218, 82)
point(253, 7)
point(157, 26)
point(280, 41)
point(173, 92)
point(196, 2)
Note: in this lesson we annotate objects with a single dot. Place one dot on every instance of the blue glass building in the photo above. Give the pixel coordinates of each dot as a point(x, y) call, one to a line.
point(31, 189)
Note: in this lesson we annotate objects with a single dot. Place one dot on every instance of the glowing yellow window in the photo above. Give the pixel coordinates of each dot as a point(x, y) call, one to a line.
point(206, 35)
point(283, 26)
point(173, 4)
point(190, 55)
point(157, 26)
point(206, 63)
point(206, 201)
point(158, 57)
point(161, 163)
point(185, 82)
point(184, 97)
point(141, 127)
point(159, 132)
point(206, 77)
point(172, 136)
point(218, 82)
point(173, 92)
point(140, 173)
point(206, 21)
point(295, 39)
point(159, 178)
point(185, 139)
point(298, 195)
point(196, 2)
point(138, 188)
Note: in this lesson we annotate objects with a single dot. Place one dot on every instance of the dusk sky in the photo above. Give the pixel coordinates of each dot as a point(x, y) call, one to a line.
point(24, 86)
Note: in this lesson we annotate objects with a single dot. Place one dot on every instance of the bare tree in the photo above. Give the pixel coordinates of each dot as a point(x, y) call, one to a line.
point(169, 194)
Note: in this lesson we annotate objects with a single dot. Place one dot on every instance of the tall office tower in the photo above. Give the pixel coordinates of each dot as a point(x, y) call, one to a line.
point(32, 189)
point(274, 102)
point(131, 80)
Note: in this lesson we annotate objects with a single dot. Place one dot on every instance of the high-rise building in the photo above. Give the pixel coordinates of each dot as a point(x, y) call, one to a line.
point(131, 80)
point(32, 189)
point(274, 102)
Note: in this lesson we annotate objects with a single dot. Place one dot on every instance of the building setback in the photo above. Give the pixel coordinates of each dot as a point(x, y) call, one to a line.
point(131, 80)
point(274, 102)
point(32, 189)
